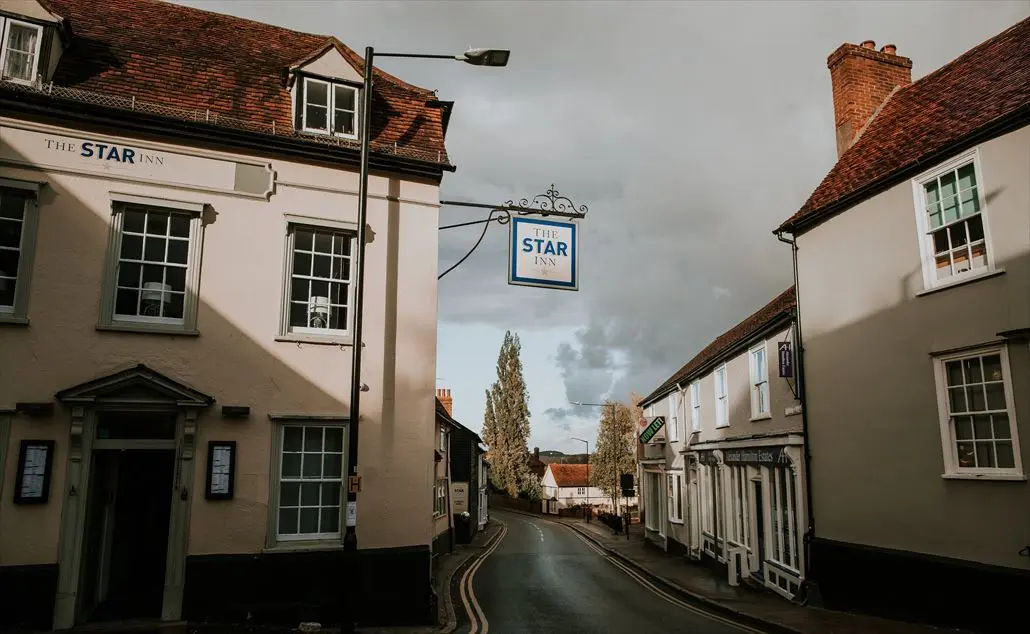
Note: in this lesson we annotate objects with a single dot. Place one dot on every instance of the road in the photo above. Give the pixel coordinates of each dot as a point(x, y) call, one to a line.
point(543, 577)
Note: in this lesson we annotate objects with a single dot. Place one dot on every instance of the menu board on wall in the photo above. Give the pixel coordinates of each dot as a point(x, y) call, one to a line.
point(221, 469)
point(35, 463)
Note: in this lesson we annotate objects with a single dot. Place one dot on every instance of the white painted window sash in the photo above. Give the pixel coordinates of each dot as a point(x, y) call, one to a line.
point(758, 362)
point(721, 404)
point(674, 434)
point(925, 233)
point(695, 405)
point(6, 25)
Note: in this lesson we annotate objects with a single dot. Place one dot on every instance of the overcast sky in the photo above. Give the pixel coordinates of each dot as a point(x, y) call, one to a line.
point(690, 130)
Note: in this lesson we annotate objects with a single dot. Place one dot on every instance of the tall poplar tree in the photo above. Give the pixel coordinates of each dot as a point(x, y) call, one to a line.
point(509, 407)
point(614, 454)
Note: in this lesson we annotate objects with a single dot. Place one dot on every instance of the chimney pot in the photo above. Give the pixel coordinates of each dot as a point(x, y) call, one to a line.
point(889, 49)
point(869, 44)
point(536, 452)
point(444, 395)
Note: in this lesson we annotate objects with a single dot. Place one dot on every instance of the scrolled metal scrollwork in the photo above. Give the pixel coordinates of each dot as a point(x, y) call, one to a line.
point(552, 202)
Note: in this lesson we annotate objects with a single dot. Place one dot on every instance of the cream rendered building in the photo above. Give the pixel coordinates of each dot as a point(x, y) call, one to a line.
point(177, 238)
point(913, 275)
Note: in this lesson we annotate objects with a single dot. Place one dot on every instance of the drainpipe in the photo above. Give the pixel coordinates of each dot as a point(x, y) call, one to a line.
point(800, 380)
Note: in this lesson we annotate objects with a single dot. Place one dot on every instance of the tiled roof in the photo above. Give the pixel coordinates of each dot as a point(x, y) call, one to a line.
point(571, 475)
point(740, 333)
point(199, 60)
point(988, 83)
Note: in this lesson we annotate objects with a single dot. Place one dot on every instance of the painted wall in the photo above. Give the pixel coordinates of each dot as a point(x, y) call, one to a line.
point(873, 412)
point(236, 357)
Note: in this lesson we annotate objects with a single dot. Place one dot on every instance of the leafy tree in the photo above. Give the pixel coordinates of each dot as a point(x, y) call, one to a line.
point(507, 423)
point(614, 454)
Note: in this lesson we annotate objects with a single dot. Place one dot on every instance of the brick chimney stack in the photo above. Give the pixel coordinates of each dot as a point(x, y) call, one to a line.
point(862, 80)
point(444, 395)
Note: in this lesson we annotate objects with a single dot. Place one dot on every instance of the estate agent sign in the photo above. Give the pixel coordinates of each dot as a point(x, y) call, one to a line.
point(652, 428)
point(543, 253)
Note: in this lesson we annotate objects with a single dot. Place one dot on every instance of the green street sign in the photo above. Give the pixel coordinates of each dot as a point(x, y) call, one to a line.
point(656, 424)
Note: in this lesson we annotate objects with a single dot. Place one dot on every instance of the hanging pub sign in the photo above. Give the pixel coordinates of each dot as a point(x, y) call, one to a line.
point(35, 463)
point(764, 456)
point(221, 469)
point(543, 253)
point(786, 360)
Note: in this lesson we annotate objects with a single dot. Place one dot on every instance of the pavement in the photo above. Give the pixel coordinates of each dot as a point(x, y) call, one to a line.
point(759, 608)
point(543, 578)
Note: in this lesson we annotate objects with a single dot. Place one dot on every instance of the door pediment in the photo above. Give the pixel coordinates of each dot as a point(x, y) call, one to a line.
point(138, 385)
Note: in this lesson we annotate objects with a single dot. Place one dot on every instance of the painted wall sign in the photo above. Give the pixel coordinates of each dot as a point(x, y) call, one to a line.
point(35, 464)
point(114, 158)
point(543, 253)
point(786, 359)
point(768, 456)
point(459, 497)
point(652, 428)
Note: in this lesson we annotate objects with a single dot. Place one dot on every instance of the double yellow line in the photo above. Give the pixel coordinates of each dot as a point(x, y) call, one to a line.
point(477, 619)
point(658, 591)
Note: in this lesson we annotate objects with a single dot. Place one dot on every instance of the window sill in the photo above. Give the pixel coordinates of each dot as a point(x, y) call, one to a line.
point(761, 417)
point(13, 320)
point(1002, 477)
point(672, 521)
point(302, 546)
point(316, 340)
point(147, 329)
point(961, 282)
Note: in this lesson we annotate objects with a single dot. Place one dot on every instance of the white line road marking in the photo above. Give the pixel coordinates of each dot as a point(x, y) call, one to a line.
point(468, 595)
point(658, 591)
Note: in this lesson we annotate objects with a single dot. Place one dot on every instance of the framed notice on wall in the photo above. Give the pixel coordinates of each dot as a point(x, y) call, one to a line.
point(35, 463)
point(221, 469)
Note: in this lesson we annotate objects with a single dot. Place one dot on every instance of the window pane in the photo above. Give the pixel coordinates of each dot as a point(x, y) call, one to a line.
point(287, 521)
point(9, 259)
point(333, 439)
point(982, 427)
point(157, 223)
point(309, 520)
point(292, 438)
point(331, 494)
point(992, 367)
point(21, 49)
point(973, 373)
point(132, 247)
point(954, 372)
point(317, 92)
point(301, 263)
point(957, 399)
point(134, 221)
point(10, 234)
point(302, 239)
point(1006, 459)
point(291, 465)
point(180, 226)
point(976, 228)
point(321, 266)
point(995, 396)
point(1001, 426)
point(323, 242)
point(343, 122)
point(940, 241)
point(178, 251)
point(333, 465)
point(966, 457)
point(975, 398)
point(309, 492)
point(966, 177)
point(316, 117)
point(289, 494)
point(957, 234)
point(330, 520)
point(312, 465)
point(985, 455)
point(126, 302)
point(175, 305)
point(345, 98)
point(963, 428)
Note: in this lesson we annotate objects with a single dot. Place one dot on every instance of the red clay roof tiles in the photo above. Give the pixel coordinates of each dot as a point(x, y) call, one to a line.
point(986, 84)
point(571, 475)
point(194, 59)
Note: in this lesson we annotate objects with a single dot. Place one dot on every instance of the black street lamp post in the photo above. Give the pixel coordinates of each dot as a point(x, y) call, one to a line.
point(476, 57)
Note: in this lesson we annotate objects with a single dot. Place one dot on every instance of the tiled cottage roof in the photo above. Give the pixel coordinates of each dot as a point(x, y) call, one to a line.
point(763, 317)
point(571, 475)
point(192, 59)
point(987, 85)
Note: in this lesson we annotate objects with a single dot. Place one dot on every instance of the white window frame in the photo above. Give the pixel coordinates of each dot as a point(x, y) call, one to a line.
point(695, 405)
point(949, 446)
point(675, 496)
point(440, 497)
point(759, 382)
point(280, 423)
point(315, 335)
point(187, 325)
point(18, 312)
point(581, 491)
point(443, 439)
point(722, 401)
point(674, 426)
point(5, 28)
point(925, 235)
point(330, 116)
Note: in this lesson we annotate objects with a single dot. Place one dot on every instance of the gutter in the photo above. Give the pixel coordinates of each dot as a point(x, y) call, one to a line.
point(798, 343)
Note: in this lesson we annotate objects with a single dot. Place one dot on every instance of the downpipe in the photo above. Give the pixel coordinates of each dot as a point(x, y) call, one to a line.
point(800, 380)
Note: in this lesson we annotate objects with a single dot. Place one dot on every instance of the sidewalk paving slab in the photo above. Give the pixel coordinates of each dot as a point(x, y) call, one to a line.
point(701, 584)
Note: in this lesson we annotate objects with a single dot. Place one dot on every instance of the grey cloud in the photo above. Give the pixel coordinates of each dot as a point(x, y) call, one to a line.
point(690, 129)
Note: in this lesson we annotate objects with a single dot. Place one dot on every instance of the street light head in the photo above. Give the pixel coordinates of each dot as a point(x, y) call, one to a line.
point(486, 57)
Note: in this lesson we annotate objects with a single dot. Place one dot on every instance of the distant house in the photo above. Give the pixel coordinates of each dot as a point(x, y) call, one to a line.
point(566, 485)
point(468, 472)
point(443, 533)
point(536, 465)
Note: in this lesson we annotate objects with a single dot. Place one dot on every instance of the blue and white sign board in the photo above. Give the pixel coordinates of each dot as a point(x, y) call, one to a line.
point(543, 253)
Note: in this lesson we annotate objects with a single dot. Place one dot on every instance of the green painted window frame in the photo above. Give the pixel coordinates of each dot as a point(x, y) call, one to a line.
point(19, 315)
point(279, 421)
point(119, 204)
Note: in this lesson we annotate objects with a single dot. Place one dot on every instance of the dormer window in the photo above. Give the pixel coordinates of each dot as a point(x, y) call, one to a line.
point(329, 108)
point(19, 54)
